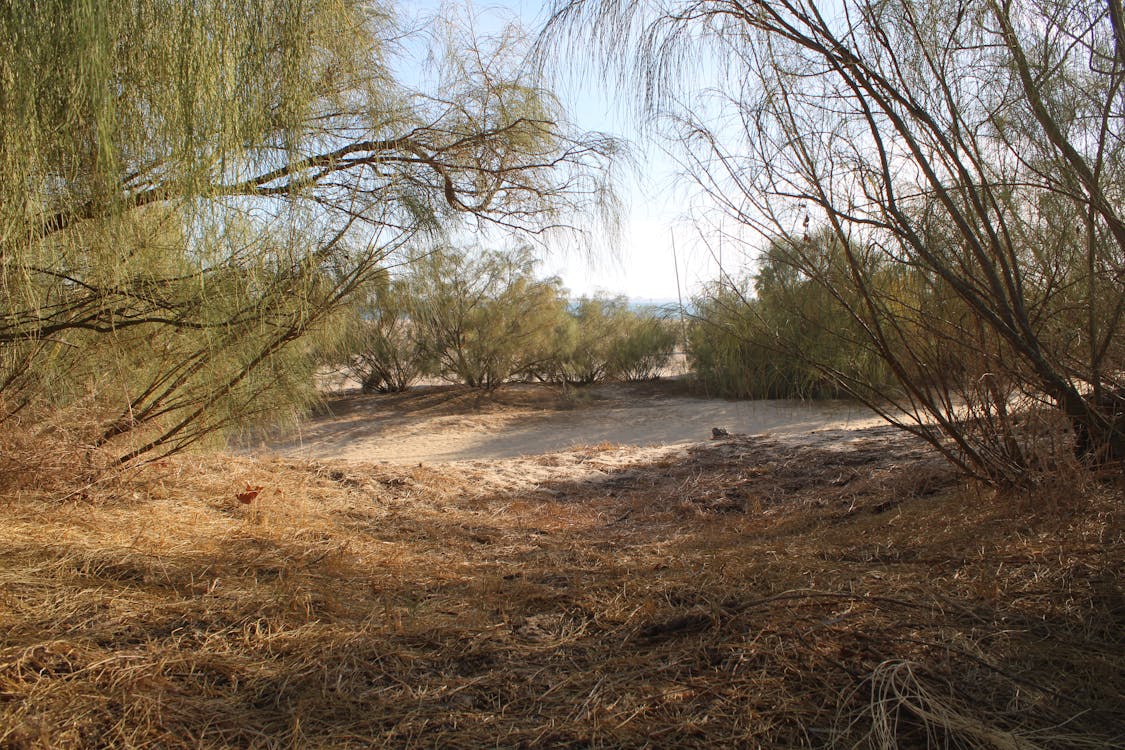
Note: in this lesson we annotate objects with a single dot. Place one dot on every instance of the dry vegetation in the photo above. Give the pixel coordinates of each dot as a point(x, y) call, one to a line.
point(196, 196)
point(749, 592)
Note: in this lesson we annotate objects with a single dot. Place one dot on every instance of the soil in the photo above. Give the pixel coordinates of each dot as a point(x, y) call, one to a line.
point(438, 424)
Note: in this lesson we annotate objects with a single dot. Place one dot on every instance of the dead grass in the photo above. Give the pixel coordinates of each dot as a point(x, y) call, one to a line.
point(47, 450)
point(753, 592)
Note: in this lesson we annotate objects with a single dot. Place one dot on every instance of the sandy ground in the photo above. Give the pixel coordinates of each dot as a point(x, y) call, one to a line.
point(450, 423)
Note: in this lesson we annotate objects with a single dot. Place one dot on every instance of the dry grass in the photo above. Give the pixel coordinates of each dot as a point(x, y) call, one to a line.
point(751, 593)
point(46, 450)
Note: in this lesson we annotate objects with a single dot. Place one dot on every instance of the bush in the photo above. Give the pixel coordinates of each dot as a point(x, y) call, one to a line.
point(585, 347)
point(778, 334)
point(484, 318)
point(381, 349)
point(602, 338)
point(641, 346)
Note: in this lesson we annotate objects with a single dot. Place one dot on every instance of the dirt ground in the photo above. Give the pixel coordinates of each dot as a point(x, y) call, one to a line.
point(822, 585)
point(451, 423)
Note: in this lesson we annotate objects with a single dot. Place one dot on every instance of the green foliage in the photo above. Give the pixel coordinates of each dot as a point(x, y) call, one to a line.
point(724, 347)
point(641, 346)
point(602, 338)
point(585, 351)
point(484, 318)
point(192, 189)
point(780, 334)
point(381, 349)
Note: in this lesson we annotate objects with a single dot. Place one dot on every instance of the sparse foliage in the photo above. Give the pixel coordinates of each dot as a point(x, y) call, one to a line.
point(382, 349)
point(605, 339)
point(484, 318)
point(641, 346)
point(966, 157)
point(586, 338)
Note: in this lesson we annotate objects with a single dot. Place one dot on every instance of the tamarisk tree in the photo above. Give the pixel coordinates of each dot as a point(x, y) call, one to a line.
point(190, 189)
point(950, 172)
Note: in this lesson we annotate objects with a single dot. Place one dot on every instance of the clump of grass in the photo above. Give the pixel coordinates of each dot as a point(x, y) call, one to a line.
point(755, 592)
point(48, 450)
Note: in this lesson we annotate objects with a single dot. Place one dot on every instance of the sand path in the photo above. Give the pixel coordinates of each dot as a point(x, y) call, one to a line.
point(448, 423)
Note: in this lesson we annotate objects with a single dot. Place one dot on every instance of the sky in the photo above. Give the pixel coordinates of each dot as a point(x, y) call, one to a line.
point(658, 256)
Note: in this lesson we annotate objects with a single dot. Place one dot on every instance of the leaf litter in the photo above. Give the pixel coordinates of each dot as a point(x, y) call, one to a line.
point(838, 588)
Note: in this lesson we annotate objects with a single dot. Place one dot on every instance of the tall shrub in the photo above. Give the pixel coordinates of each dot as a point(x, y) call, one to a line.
point(965, 156)
point(382, 348)
point(484, 317)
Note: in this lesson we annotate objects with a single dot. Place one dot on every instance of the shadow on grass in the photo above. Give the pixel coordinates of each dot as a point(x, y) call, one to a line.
point(755, 592)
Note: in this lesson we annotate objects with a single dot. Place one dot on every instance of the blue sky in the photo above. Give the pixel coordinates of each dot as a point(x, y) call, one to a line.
point(643, 265)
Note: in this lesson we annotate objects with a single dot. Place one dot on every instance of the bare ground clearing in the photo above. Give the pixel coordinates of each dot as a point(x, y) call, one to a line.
point(452, 423)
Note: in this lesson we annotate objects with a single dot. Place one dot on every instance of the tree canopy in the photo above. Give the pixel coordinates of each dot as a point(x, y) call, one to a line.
point(191, 188)
point(965, 155)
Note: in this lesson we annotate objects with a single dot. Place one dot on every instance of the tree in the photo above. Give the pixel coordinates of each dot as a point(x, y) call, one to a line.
point(603, 338)
point(779, 334)
point(192, 188)
point(382, 348)
point(484, 317)
point(641, 345)
point(586, 348)
point(967, 157)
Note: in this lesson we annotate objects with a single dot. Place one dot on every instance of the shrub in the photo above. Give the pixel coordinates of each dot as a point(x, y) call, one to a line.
point(483, 318)
point(602, 338)
point(778, 334)
point(382, 350)
point(641, 345)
